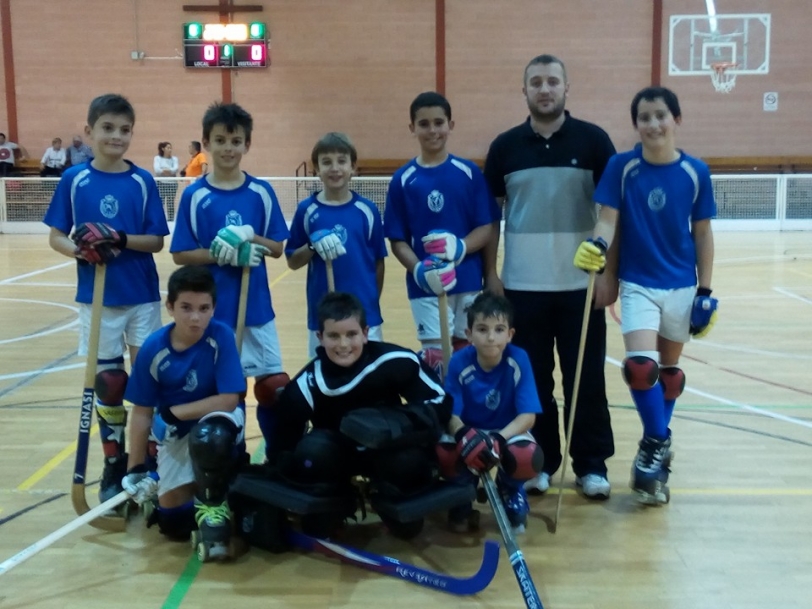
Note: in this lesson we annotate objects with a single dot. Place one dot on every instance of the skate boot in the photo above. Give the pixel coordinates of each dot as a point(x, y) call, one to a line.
point(115, 468)
point(650, 471)
point(463, 519)
point(517, 509)
point(211, 540)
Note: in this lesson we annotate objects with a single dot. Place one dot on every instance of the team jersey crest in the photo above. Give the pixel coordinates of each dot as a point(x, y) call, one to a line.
point(191, 381)
point(109, 206)
point(656, 199)
point(436, 201)
point(233, 218)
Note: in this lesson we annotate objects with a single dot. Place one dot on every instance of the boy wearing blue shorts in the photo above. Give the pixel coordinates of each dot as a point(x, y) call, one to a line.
point(186, 388)
point(495, 406)
point(117, 218)
point(439, 215)
point(662, 201)
point(338, 226)
point(228, 220)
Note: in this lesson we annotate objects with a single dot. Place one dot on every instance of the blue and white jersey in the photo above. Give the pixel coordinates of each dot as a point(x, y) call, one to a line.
point(162, 377)
point(203, 211)
point(453, 197)
point(358, 224)
point(127, 201)
point(657, 206)
point(491, 400)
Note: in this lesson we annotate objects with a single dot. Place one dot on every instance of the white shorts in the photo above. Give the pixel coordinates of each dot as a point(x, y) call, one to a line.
point(426, 313)
point(375, 333)
point(260, 350)
point(131, 323)
point(668, 312)
point(175, 464)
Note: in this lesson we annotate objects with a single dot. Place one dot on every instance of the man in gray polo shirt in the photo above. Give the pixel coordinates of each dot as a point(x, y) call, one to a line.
point(544, 171)
point(78, 153)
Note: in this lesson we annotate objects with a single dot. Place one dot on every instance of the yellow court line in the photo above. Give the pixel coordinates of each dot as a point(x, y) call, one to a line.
point(53, 463)
point(71, 448)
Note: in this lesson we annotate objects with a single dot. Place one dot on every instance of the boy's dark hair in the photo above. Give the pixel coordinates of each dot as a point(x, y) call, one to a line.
point(333, 142)
point(192, 278)
point(487, 304)
point(653, 93)
point(429, 99)
point(196, 145)
point(161, 147)
point(110, 103)
point(230, 116)
point(545, 60)
point(338, 306)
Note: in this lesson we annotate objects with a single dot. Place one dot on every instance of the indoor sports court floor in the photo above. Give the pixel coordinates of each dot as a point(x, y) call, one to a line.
point(736, 534)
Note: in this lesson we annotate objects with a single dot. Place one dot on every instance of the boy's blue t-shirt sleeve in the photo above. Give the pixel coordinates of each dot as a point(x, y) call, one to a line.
point(609, 191)
point(183, 238)
point(142, 388)
point(394, 222)
point(705, 206)
point(452, 383)
point(277, 227)
point(377, 241)
point(527, 397)
point(228, 369)
point(485, 209)
point(298, 236)
point(59, 214)
point(154, 216)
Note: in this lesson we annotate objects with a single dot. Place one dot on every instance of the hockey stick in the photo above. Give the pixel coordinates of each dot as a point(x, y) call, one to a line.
point(95, 514)
point(331, 278)
point(526, 585)
point(77, 493)
point(242, 306)
point(579, 364)
point(395, 568)
point(445, 338)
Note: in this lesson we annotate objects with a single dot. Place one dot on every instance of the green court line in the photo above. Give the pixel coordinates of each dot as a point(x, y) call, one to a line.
point(187, 578)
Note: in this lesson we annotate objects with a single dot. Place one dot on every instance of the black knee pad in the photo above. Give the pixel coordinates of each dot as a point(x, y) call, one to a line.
point(403, 472)
point(640, 372)
point(214, 453)
point(672, 379)
point(175, 523)
point(319, 461)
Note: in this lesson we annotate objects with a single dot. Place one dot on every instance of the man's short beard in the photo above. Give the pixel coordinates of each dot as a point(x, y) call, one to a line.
point(547, 117)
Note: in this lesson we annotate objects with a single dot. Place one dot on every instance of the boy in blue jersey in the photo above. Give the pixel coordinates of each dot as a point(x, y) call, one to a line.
point(342, 227)
point(189, 372)
point(495, 406)
point(117, 219)
point(439, 215)
point(228, 220)
point(662, 200)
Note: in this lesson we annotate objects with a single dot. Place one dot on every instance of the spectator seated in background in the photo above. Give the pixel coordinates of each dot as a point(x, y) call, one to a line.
point(78, 153)
point(53, 161)
point(7, 154)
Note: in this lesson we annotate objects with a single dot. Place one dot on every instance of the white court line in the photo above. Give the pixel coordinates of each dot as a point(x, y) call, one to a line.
point(66, 326)
point(786, 292)
point(738, 349)
point(721, 400)
point(33, 273)
point(17, 375)
point(43, 284)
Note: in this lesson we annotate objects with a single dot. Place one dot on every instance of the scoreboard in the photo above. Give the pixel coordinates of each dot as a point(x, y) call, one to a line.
point(225, 45)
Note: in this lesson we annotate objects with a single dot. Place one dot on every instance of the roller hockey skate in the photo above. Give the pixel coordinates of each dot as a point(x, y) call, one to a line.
point(516, 505)
point(115, 468)
point(650, 471)
point(212, 539)
point(463, 519)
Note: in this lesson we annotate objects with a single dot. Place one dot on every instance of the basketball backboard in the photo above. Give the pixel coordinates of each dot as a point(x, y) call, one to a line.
point(696, 42)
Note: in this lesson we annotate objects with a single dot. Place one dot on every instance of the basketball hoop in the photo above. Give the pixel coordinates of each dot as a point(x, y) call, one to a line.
point(721, 76)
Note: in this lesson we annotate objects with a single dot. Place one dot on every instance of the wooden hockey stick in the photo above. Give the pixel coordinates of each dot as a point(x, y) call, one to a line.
point(445, 337)
point(77, 494)
point(517, 562)
point(242, 306)
point(96, 514)
point(331, 278)
point(575, 390)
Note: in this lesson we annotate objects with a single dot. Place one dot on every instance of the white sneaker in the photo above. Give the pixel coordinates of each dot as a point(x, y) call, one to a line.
point(538, 485)
point(594, 486)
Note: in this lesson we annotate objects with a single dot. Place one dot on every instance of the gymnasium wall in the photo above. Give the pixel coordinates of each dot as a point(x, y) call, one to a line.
point(355, 66)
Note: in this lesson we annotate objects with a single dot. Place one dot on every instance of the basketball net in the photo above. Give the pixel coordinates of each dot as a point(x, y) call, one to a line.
point(721, 76)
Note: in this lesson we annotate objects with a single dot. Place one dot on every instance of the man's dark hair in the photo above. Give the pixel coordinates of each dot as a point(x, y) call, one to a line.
point(231, 116)
point(487, 304)
point(429, 99)
point(338, 306)
point(545, 60)
point(192, 278)
point(653, 93)
point(110, 103)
